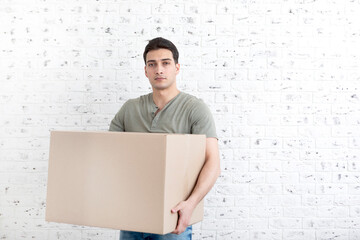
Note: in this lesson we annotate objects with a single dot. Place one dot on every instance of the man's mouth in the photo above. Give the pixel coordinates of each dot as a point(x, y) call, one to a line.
point(159, 78)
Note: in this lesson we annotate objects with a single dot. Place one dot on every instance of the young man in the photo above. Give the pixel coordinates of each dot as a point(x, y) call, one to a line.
point(168, 110)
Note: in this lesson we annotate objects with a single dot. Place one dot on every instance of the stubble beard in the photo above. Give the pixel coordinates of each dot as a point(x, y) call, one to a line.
point(162, 86)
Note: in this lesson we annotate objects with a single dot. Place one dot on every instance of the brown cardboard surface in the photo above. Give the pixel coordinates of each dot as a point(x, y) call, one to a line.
point(125, 181)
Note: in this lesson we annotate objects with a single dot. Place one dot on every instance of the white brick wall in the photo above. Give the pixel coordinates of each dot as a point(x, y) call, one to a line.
point(281, 78)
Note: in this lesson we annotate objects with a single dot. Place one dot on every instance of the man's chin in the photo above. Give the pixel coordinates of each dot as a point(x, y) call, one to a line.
point(156, 87)
point(162, 85)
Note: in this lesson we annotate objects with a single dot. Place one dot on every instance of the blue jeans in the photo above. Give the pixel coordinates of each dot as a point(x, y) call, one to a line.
point(128, 235)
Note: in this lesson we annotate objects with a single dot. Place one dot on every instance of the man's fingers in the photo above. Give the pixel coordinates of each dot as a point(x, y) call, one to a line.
point(182, 222)
point(177, 208)
point(179, 229)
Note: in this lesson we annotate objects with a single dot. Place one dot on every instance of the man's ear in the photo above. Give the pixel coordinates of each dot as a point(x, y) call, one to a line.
point(145, 71)
point(177, 66)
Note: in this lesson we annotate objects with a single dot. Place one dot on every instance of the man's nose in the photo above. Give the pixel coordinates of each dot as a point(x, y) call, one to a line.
point(159, 69)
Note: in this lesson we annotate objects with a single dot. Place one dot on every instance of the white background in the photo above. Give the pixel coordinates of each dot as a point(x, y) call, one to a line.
point(281, 78)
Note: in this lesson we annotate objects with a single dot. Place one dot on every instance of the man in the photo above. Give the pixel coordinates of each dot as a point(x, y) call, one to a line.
point(168, 110)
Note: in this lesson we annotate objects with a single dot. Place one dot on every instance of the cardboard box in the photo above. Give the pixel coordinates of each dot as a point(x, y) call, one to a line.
point(120, 180)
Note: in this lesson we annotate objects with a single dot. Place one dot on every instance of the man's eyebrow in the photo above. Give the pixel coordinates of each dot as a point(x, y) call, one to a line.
point(164, 59)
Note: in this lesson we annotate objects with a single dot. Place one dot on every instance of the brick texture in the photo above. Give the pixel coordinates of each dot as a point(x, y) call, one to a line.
point(281, 78)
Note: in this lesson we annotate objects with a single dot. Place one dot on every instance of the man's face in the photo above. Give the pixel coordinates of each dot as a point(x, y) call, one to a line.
point(161, 69)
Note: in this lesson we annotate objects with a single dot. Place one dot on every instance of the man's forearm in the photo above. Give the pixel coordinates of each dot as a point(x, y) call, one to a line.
point(206, 180)
point(208, 174)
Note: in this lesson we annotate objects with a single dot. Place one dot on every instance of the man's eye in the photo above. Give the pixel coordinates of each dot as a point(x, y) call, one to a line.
point(166, 63)
point(150, 64)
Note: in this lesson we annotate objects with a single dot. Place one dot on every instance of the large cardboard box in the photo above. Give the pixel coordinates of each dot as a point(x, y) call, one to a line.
point(125, 181)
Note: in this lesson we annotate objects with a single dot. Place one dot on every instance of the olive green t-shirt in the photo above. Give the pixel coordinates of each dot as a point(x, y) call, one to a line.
point(184, 114)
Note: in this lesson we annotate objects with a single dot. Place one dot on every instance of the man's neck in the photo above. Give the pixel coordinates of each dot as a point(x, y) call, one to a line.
point(162, 97)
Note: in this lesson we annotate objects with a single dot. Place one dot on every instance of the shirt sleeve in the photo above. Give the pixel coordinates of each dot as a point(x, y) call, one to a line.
point(202, 120)
point(117, 124)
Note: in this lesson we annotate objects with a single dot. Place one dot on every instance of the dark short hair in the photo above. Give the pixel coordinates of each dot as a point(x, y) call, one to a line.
point(158, 43)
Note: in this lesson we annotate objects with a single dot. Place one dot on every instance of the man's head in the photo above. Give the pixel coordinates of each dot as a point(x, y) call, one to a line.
point(158, 43)
point(161, 64)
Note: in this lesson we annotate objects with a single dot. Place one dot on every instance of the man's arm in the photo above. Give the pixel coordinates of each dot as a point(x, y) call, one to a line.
point(117, 124)
point(206, 180)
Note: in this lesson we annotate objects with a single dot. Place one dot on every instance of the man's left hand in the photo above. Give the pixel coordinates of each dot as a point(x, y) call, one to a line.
point(185, 210)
